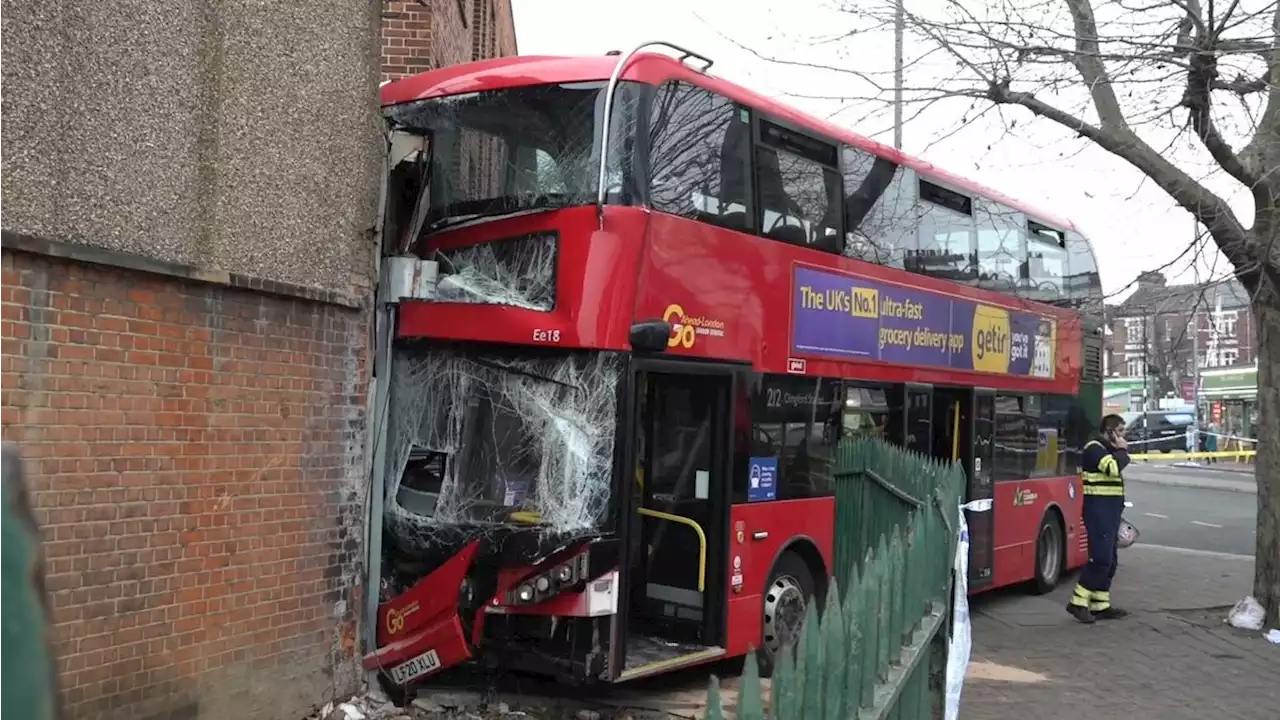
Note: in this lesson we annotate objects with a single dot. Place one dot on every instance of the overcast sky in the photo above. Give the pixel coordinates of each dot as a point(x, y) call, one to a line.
point(1133, 225)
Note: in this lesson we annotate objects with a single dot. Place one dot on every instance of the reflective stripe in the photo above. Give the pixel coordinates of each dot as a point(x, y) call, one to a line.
point(1102, 595)
point(1099, 606)
point(1081, 596)
point(1109, 466)
point(1094, 483)
point(1091, 443)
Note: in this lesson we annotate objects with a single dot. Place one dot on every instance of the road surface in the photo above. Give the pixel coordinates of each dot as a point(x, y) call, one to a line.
point(1194, 509)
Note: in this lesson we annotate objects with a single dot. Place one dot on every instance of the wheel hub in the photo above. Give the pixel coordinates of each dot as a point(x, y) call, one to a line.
point(784, 606)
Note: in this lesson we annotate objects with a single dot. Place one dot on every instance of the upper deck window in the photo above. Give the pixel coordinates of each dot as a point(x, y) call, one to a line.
point(521, 149)
point(698, 162)
point(945, 235)
point(799, 189)
point(875, 207)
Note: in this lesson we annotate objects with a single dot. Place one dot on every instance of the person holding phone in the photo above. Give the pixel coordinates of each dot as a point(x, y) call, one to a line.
point(1102, 485)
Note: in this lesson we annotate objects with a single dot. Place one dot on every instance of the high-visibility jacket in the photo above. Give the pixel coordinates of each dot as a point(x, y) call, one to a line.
point(1101, 467)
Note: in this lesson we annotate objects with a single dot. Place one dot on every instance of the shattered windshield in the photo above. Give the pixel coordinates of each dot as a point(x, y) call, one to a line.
point(529, 148)
point(499, 437)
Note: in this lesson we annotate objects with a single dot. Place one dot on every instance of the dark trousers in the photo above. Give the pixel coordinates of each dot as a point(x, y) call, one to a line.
point(1102, 523)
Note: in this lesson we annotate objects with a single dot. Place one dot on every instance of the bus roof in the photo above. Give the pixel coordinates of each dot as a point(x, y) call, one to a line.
point(654, 68)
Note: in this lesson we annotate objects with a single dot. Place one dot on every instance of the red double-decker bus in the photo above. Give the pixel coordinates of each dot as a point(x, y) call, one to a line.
point(636, 309)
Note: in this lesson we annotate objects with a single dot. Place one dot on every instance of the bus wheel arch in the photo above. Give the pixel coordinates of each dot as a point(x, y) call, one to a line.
point(1051, 537)
point(798, 572)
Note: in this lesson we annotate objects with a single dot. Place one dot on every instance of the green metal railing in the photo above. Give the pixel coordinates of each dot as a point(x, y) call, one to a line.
point(30, 688)
point(876, 650)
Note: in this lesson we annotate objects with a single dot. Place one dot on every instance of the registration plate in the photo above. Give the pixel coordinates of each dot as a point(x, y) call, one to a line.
point(427, 662)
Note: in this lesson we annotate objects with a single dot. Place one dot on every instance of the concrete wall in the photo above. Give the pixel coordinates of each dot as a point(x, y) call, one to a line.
point(227, 134)
point(189, 194)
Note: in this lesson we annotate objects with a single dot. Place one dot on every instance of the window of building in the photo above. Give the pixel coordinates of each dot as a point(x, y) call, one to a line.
point(1224, 323)
point(999, 245)
point(1133, 334)
point(1135, 366)
point(699, 160)
point(799, 189)
point(797, 420)
point(945, 239)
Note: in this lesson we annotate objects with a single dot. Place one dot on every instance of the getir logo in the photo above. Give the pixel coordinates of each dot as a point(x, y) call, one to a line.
point(991, 342)
point(685, 330)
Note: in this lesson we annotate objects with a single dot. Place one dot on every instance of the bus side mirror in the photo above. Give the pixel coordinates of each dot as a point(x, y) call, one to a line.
point(650, 336)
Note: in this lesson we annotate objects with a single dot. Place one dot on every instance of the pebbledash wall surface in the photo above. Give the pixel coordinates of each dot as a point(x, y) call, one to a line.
point(189, 194)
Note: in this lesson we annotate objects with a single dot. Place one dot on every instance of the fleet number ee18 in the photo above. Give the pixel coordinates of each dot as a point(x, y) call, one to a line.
point(551, 336)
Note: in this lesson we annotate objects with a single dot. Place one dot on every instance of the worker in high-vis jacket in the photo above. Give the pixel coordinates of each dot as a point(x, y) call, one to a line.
point(1102, 485)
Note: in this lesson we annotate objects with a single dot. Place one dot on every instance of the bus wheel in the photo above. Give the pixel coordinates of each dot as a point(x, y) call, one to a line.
point(785, 599)
point(1049, 554)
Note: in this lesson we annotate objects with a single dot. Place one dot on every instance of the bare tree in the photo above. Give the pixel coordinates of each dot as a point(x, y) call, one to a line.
point(1146, 81)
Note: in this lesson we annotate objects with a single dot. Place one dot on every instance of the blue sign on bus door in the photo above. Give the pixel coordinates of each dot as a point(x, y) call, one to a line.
point(762, 479)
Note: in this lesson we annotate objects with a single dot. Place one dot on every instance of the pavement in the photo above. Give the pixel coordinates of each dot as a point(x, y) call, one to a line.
point(1174, 657)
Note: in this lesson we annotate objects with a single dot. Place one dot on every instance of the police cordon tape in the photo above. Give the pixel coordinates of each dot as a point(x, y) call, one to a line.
point(1180, 456)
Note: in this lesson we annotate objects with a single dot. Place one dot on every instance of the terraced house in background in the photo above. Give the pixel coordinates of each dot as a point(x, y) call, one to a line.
point(1164, 339)
point(186, 294)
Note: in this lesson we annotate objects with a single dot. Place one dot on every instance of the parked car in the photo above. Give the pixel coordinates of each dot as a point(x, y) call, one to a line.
point(1157, 430)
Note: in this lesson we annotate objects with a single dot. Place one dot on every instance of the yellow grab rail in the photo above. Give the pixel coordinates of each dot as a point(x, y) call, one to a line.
point(702, 540)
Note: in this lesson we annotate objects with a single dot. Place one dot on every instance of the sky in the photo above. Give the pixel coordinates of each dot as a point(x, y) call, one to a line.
point(1132, 224)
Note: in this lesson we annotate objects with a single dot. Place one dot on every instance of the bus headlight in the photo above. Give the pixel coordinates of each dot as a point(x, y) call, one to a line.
point(524, 593)
point(564, 573)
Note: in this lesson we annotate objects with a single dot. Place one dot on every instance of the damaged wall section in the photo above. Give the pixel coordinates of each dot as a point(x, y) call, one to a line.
point(484, 437)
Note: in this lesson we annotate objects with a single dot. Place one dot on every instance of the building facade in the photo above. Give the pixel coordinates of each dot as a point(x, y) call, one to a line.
point(421, 35)
point(1161, 338)
point(187, 272)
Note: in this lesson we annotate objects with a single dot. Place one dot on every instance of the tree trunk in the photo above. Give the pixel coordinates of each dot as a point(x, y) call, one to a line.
point(1266, 575)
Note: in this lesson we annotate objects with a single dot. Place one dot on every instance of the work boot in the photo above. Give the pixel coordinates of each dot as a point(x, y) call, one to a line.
point(1080, 613)
point(1111, 613)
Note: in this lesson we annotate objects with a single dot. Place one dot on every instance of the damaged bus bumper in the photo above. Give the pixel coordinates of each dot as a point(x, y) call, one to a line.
point(548, 616)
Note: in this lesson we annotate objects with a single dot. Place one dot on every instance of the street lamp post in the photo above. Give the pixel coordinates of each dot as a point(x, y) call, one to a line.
point(899, 31)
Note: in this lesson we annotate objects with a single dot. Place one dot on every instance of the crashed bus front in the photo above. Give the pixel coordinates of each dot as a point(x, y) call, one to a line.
point(499, 542)
point(495, 540)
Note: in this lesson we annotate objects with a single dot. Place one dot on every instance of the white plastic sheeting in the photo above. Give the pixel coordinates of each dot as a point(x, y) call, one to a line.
point(961, 629)
point(498, 434)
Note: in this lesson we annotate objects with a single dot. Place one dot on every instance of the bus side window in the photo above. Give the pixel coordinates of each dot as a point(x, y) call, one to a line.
point(698, 145)
point(799, 188)
point(875, 210)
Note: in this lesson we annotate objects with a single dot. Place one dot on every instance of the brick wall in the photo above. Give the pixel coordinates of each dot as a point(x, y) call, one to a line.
point(421, 35)
point(195, 454)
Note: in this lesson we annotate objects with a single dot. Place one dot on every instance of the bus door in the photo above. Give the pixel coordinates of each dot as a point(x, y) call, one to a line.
point(962, 422)
point(981, 524)
point(674, 584)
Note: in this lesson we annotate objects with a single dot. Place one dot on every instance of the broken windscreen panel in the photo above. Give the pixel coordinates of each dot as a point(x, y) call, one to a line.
point(487, 438)
point(521, 149)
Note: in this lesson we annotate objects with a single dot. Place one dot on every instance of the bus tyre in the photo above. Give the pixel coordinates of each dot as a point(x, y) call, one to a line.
point(1049, 553)
point(788, 593)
